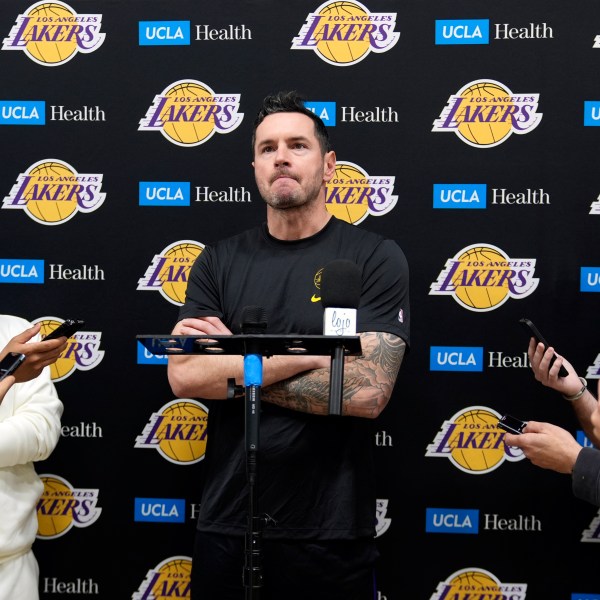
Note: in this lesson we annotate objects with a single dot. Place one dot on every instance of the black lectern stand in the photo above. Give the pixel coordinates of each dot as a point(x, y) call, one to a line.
point(261, 345)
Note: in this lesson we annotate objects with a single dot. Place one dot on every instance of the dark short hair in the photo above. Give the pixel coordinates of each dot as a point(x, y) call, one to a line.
point(291, 102)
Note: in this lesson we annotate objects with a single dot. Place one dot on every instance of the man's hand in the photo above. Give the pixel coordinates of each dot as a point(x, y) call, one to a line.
point(201, 326)
point(547, 446)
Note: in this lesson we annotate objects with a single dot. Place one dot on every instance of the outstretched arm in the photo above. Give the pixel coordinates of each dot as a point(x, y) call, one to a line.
point(584, 405)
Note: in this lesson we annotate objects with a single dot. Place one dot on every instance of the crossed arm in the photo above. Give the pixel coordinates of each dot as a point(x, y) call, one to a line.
point(296, 382)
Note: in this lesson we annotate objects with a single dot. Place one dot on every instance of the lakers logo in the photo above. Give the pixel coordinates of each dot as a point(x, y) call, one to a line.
point(352, 195)
point(481, 277)
point(51, 192)
point(484, 113)
point(82, 351)
point(61, 507)
point(477, 583)
point(188, 113)
point(178, 432)
point(169, 270)
point(472, 441)
point(170, 578)
point(344, 33)
point(52, 33)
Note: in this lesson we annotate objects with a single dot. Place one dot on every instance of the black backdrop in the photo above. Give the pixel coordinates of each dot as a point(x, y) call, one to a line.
point(456, 513)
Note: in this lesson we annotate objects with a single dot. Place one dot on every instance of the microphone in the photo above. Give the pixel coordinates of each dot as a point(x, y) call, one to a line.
point(254, 321)
point(340, 296)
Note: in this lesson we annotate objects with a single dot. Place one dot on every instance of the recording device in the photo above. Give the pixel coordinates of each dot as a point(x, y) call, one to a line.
point(340, 296)
point(511, 424)
point(68, 328)
point(9, 364)
point(534, 331)
point(254, 321)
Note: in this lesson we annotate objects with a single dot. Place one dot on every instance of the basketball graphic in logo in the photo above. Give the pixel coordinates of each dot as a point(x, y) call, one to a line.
point(485, 132)
point(50, 175)
point(342, 51)
point(55, 523)
point(471, 425)
point(484, 258)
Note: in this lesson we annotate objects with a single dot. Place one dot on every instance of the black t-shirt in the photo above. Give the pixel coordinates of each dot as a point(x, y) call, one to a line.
point(315, 473)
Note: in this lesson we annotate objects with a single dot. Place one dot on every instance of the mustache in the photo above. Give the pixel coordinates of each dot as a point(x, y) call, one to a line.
point(283, 173)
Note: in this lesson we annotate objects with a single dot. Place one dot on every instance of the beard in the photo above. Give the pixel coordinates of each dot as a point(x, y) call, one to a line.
point(287, 198)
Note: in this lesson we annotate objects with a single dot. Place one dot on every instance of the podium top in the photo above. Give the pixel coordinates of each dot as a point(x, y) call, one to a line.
point(266, 345)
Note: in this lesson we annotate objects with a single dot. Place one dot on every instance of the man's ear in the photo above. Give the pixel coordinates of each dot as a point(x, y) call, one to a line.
point(329, 165)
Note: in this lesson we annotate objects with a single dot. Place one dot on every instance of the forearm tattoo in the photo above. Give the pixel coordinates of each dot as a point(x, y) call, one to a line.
point(368, 380)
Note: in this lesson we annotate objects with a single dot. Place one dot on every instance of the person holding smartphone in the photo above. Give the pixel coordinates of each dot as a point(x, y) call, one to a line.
point(552, 447)
point(30, 413)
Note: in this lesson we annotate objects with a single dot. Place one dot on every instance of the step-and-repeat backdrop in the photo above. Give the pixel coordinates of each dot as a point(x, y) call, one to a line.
point(467, 131)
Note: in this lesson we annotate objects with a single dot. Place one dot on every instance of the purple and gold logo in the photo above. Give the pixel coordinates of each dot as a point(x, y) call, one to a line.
point(484, 113)
point(481, 277)
point(52, 33)
point(188, 113)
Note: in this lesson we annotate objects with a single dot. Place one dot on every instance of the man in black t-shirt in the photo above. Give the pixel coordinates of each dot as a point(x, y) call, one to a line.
point(315, 470)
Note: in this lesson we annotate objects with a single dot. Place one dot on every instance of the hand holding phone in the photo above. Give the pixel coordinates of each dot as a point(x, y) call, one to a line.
point(68, 328)
point(534, 331)
point(511, 424)
point(9, 364)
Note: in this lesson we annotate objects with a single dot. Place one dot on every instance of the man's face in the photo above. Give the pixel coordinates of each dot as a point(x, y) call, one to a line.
point(288, 165)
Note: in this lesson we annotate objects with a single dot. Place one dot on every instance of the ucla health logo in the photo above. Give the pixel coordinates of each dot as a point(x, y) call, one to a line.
point(452, 520)
point(164, 33)
point(590, 279)
point(52, 192)
point(463, 31)
point(159, 510)
point(52, 33)
point(455, 358)
point(324, 110)
point(460, 195)
point(177, 431)
point(472, 441)
point(484, 113)
point(344, 33)
point(352, 194)
point(145, 357)
point(474, 582)
point(591, 113)
point(62, 507)
point(169, 270)
point(481, 277)
point(164, 193)
point(188, 113)
point(169, 579)
point(22, 112)
point(21, 270)
point(81, 354)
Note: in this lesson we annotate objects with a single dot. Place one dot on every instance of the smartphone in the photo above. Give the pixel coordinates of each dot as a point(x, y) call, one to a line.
point(9, 364)
point(68, 328)
point(511, 424)
point(535, 332)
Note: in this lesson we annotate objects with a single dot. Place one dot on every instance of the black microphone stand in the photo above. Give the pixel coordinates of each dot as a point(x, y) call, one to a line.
point(253, 574)
point(254, 348)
